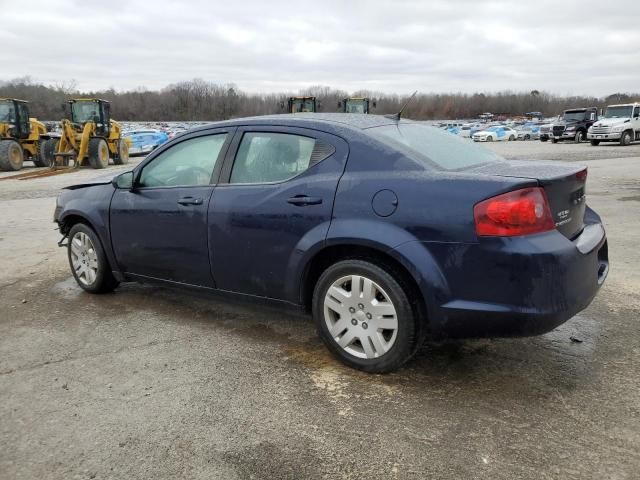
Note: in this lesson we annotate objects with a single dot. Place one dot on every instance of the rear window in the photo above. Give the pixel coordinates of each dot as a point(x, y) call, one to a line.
point(433, 146)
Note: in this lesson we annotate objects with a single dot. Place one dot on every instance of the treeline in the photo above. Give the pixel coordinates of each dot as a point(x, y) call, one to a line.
point(206, 101)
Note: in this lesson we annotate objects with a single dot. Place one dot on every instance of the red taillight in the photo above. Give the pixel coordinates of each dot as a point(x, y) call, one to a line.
point(520, 212)
point(582, 175)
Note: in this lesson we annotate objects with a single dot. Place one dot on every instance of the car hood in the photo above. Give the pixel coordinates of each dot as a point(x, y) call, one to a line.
point(611, 122)
point(100, 180)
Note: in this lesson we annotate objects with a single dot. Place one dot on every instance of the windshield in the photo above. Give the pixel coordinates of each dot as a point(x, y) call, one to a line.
point(493, 129)
point(7, 112)
point(618, 112)
point(574, 116)
point(303, 106)
point(431, 145)
point(82, 112)
point(355, 106)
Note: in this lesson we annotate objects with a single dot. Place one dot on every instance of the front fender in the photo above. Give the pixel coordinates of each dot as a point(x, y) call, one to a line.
point(92, 205)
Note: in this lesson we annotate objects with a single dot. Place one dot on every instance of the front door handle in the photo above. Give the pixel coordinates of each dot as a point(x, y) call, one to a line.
point(190, 201)
point(302, 200)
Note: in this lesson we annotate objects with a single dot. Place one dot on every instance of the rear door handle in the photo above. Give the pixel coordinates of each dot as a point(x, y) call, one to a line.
point(190, 201)
point(302, 200)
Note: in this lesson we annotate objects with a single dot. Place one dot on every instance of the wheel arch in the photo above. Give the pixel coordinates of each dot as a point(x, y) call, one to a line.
point(378, 254)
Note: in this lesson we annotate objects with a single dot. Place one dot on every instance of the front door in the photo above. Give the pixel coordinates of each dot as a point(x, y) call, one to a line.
point(274, 200)
point(159, 229)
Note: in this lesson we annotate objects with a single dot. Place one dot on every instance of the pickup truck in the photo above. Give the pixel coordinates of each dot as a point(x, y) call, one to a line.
point(621, 123)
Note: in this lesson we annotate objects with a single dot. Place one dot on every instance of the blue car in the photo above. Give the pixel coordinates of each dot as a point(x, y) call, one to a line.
point(145, 141)
point(386, 230)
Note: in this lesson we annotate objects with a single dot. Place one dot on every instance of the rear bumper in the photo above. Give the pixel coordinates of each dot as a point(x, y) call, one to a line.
point(519, 286)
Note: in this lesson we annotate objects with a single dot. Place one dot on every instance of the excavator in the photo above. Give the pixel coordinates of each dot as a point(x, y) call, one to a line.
point(20, 135)
point(88, 135)
point(356, 105)
point(300, 104)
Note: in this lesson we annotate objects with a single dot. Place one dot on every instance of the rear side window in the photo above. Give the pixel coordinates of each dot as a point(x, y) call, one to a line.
point(266, 157)
point(433, 147)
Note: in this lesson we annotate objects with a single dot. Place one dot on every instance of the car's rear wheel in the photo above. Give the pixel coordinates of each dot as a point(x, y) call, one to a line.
point(364, 316)
point(88, 262)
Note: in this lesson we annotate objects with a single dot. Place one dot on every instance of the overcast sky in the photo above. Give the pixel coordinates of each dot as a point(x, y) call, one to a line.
point(565, 47)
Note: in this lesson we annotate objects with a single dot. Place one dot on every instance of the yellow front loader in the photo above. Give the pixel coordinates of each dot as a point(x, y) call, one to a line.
point(20, 135)
point(88, 136)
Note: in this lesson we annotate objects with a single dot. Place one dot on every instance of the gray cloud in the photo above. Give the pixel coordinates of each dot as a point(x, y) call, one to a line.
point(567, 47)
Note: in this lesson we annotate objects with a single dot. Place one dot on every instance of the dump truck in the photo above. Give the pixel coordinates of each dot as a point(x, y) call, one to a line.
point(20, 135)
point(87, 135)
point(300, 104)
point(356, 105)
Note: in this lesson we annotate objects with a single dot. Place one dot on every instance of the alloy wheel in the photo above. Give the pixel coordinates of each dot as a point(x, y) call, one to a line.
point(84, 258)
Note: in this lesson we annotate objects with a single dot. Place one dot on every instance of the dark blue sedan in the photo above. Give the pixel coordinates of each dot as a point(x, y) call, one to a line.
point(387, 230)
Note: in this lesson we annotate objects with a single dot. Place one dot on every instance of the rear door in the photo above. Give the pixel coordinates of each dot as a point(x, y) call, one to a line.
point(159, 229)
point(273, 202)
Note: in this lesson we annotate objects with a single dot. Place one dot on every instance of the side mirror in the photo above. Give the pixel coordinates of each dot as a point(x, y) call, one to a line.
point(123, 181)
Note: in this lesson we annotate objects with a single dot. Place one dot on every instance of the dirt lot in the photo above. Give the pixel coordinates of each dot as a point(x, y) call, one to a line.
point(152, 383)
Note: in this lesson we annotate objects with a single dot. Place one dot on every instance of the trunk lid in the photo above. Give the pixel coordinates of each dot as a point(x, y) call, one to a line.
point(564, 184)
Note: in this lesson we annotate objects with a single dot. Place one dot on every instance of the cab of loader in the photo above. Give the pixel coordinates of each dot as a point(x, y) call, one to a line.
point(300, 104)
point(356, 105)
point(83, 110)
point(15, 114)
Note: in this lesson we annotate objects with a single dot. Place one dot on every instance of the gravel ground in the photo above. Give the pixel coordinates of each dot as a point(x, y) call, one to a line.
point(151, 383)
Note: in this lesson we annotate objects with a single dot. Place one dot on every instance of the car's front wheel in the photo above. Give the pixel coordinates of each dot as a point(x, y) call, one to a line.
point(364, 316)
point(88, 261)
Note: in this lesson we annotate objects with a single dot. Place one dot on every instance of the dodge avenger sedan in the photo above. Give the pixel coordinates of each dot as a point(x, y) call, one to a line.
point(386, 230)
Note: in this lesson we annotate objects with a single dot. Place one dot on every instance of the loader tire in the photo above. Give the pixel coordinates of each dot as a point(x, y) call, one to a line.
point(11, 156)
point(123, 153)
point(98, 153)
point(42, 159)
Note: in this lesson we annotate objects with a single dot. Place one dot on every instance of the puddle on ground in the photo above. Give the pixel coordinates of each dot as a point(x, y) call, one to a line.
point(67, 289)
point(336, 380)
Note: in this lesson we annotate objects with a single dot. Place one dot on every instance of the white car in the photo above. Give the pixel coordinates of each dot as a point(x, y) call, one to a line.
point(495, 134)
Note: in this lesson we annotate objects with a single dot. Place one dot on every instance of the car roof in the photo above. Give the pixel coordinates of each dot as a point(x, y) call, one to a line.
point(320, 121)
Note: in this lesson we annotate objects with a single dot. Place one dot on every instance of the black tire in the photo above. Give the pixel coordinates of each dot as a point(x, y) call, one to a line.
point(544, 139)
point(11, 156)
point(511, 138)
point(527, 137)
point(98, 153)
point(104, 280)
point(626, 138)
point(595, 143)
point(122, 157)
point(407, 335)
point(554, 140)
point(579, 137)
point(43, 158)
point(489, 138)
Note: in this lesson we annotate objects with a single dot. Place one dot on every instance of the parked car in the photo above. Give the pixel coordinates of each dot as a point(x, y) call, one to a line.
point(528, 132)
point(495, 134)
point(384, 230)
point(145, 141)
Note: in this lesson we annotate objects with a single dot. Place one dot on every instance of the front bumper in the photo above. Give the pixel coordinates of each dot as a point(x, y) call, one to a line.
point(519, 286)
point(480, 139)
point(604, 136)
